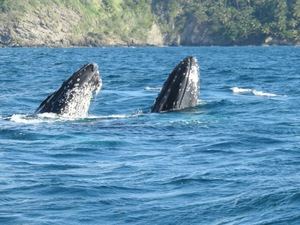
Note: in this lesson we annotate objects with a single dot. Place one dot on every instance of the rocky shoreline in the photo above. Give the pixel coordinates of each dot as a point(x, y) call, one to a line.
point(23, 35)
point(57, 24)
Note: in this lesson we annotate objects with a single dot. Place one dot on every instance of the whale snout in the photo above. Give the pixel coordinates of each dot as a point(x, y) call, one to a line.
point(92, 67)
point(89, 75)
point(181, 88)
point(193, 60)
point(189, 62)
point(95, 67)
point(89, 70)
point(74, 96)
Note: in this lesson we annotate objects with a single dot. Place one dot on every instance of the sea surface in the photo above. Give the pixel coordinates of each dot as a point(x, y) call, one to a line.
point(233, 159)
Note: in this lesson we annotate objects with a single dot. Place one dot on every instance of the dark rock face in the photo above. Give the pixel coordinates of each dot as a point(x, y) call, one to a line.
point(5, 37)
point(80, 23)
point(195, 33)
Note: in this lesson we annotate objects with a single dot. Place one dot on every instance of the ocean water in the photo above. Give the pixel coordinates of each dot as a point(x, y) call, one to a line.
point(233, 159)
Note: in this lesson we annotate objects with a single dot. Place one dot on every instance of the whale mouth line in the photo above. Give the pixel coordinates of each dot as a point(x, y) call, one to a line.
point(187, 81)
point(98, 85)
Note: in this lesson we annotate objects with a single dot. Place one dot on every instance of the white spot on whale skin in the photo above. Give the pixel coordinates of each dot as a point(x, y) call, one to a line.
point(99, 86)
point(78, 99)
point(194, 74)
point(190, 96)
point(78, 79)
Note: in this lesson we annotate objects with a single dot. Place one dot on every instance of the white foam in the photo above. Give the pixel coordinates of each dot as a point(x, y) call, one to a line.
point(201, 102)
point(152, 88)
point(25, 119)
point(52, 117)
point(38, 118)
point(238, 90)
point(263, 94)
point(116, 116)
point(47, 115)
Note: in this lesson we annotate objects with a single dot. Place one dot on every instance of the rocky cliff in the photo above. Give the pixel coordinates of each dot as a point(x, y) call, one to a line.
point(66, 23)
point(77, 23)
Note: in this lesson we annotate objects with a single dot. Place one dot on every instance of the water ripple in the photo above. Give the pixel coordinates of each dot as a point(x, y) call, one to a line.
point(232, 159)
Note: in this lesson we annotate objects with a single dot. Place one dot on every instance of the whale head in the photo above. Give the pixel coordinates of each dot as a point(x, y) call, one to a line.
point(73, 98)
point(181, 89)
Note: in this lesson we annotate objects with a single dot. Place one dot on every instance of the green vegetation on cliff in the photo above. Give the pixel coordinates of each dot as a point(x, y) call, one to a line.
point(75, 22)
point(230, 21)
point(140, 22)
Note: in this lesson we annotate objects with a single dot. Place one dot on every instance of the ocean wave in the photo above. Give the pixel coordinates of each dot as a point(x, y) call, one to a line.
point(265, 200)
point(30, 119)
point(263, 94)
point(214, 103)
point(115, 116)
point(238, 90)
point(184, 180)
point(152, 88)
point(53, 117)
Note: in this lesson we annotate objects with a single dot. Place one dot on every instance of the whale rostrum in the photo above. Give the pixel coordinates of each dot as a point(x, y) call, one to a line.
point(74, 96)
point(181, 89)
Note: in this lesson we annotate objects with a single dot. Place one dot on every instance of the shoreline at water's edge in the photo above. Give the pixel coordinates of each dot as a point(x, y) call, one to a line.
point(144, 46)
point(144, 23)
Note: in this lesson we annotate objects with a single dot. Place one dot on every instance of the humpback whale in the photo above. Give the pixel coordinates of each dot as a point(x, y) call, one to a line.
point(74, 96)
point(181, 89)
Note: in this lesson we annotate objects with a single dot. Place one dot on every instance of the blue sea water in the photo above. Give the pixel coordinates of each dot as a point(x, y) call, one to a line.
point(233, 159)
